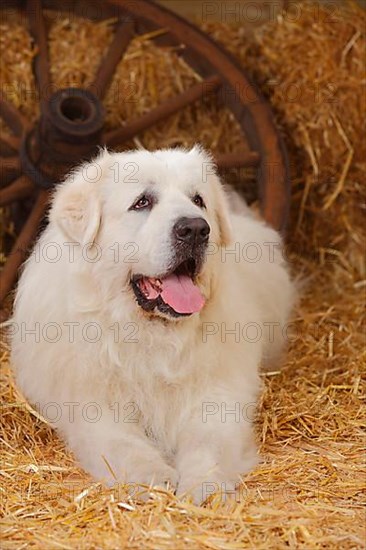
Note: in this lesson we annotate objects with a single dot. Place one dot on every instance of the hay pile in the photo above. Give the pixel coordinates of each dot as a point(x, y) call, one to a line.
point(309, 492)
point(310, 63)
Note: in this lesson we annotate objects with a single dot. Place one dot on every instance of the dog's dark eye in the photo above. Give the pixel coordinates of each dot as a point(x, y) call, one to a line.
point(198, 200)
point(142, 203)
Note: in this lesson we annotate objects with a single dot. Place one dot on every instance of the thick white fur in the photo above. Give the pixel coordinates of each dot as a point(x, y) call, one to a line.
point(161, 403)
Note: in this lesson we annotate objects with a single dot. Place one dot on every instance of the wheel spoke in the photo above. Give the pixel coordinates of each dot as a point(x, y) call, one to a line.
point(20, 249)
point(237, 159)
point(41, 64)
point(13, 118)
point(105, 72)
point(9, 169)
point(9, 144)
point(163, 111)
point(18, 189)
point(9, 163)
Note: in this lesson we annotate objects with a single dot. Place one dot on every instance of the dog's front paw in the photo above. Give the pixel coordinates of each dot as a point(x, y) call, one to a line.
point(203, 487)
point(153, 475)
point(163, 476)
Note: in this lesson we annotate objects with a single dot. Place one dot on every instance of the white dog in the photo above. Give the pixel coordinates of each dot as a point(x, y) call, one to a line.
point(142, 318)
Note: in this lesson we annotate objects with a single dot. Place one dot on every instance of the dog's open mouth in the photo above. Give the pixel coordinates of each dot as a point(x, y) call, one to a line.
point(175, 293)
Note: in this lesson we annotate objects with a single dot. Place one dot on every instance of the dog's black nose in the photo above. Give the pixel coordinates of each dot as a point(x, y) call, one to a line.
point(191, 230)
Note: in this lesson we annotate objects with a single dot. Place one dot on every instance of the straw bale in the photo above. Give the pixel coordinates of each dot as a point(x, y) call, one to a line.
point(309, 62)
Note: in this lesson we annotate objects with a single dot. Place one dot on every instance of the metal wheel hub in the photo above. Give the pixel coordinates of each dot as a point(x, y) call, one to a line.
point(75, 116)
point(69, 130)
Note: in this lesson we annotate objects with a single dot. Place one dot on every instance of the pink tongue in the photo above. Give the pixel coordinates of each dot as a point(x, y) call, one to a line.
point(180, 293)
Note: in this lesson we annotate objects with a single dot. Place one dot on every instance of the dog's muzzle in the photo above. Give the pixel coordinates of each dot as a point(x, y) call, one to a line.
point(175, 292)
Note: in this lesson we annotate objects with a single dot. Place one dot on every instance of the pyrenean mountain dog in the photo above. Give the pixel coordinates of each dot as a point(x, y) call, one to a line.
point(142, 318)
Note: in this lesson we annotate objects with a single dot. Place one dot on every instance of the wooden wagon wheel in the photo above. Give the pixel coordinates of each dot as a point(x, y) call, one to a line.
point(57, 141)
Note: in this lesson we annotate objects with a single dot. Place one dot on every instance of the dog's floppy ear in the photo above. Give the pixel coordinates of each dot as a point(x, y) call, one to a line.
point(76, 209)
point(222, 213)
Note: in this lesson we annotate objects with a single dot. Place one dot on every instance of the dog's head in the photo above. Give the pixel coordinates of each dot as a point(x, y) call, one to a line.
point(155, 219)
